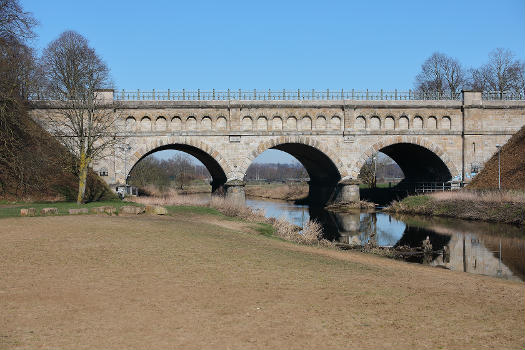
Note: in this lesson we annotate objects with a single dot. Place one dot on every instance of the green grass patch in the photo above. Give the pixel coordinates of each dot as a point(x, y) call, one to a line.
point(416, 201)
point(63, 207)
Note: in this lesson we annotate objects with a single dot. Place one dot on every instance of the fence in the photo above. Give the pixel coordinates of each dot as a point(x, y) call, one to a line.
point(280, 95)
point(428, 187)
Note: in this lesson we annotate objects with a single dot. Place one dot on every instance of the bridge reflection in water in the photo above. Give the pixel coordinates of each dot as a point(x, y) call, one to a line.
point(474, 247)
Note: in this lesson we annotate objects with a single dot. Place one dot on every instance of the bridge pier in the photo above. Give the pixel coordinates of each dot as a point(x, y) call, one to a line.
point(346, 191)
point(235, 192)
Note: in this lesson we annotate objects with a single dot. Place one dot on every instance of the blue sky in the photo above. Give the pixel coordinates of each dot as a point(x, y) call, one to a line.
point(281, 44)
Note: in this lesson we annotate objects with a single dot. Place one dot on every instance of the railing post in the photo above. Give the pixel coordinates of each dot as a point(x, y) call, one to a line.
point(342, 94)
point(327, 94)
point(239, 94)
point(138, 94)
point(228, 94)
point(198, 94)
point(409, 93)
point(298, 94)
point(269, 94)
point(153, 94)
point(168, 94)
point(353, 95)
point(395, 93)
point(183, 94)
point(284, 94)
point(122, 93)
point(254, 94)
point(367, 94)
point(213, 96)
point(313, 94)
point(381, 94)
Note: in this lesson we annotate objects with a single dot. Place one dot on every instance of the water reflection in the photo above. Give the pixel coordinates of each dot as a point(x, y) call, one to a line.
point(472, 247)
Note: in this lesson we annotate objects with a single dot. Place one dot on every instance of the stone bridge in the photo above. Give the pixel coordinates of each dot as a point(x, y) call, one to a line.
point(431, 140)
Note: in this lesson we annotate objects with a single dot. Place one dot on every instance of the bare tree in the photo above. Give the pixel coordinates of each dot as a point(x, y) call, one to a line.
point(14, 22)
point(503, 73)
point(85, 123)
point(441, 74)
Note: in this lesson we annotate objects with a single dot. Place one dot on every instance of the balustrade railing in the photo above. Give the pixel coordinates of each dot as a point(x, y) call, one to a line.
point(295, 95)
point(279, 95)
point(495, 95)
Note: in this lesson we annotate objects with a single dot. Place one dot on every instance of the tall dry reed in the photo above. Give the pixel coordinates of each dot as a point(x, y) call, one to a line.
point(481, 196)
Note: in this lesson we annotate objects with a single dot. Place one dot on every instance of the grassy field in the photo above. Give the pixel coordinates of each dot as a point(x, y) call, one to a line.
point(12, 209)
point(197, 279)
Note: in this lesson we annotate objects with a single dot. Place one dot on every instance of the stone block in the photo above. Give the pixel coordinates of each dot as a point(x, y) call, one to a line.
point(156, 210)
point(49, 211)
point(28, 212)
point(104, 210)
point(77, 211)
point(131, 209)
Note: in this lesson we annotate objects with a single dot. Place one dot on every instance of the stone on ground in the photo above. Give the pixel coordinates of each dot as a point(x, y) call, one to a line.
point(49, 211)
point(156, 210)
point(28, 212)
point(131, 209)
point(77, 211)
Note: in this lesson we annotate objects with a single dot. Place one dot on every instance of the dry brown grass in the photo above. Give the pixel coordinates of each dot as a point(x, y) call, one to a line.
point(481, 196)
point(311, 233)
point(492, 206)
point(196, 281)
point(288, 192)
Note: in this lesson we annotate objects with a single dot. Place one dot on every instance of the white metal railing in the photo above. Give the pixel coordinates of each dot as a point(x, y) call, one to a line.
point(495, 95)
point(279, 95)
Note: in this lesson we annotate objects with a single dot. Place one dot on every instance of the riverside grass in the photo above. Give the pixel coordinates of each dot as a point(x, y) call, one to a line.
point(492, 206)
point(310, 234)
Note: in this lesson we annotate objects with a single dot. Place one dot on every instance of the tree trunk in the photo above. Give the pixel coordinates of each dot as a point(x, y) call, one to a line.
point(82, 177)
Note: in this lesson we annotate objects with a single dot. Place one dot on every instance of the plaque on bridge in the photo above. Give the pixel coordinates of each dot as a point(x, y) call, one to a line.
point(235, 138)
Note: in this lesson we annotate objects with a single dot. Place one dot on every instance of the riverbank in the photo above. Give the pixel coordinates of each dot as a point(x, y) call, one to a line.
point(492, 206)
point(284, 191)
point(197, 279)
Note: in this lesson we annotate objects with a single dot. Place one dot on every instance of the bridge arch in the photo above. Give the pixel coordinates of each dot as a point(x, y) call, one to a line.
point(324, 167)
point(319, 161)
point(419, 158)
point(216, 164)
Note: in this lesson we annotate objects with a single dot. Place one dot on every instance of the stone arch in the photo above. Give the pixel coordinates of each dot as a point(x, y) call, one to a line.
point(216, 164)
point(262, 123)
point(335, 122)
point(206, 123)
point(360, 123)
point(291, 123)
point(247, 123)
point(161, 124)
point(375, 123)
point(221, 123)
point(390, 123)
point(320, 123)
point(145, 124)
point(310, 143)
point(191, 123)
point(306, 123)
point(403, 123)
point(176, 123)
point(432, 123)
point(446, 123)
point(277, 123)
point(400, 150)
point(417, 123)
point(131, 123)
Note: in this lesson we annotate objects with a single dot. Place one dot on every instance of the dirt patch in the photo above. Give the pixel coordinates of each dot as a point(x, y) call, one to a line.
point(200, 281)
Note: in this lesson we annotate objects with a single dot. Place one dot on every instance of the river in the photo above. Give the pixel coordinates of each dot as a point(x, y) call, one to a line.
point(474, 247)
